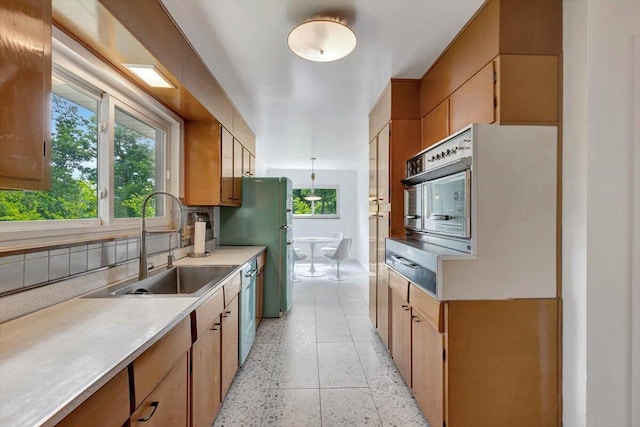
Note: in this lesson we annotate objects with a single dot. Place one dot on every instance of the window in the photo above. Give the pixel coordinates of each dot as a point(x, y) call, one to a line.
point(327, 207)
point(112, 145)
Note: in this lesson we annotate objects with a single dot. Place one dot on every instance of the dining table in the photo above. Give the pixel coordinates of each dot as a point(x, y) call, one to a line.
point(312, 242)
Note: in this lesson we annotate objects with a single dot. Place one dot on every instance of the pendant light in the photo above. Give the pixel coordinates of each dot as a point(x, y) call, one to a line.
point(312, 197)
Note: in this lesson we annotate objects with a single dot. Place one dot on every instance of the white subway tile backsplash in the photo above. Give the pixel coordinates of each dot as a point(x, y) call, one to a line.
point(35, 255)
point(11, 259)
point(121, 251)
point(58, 265)
point(78, 262)
point(108, 254)
point(132, 249)
point(79, 248)
point(11, 276)
point(94, 258)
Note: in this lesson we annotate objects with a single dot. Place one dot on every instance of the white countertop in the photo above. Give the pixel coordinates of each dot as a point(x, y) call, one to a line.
point(53, 359)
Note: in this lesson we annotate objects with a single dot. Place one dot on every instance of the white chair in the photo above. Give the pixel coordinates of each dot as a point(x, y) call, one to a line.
point(295, 257)
point(341, 253)
point(330, 248)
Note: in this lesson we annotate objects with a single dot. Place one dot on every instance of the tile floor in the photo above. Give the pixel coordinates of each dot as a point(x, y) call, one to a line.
point(322, 364)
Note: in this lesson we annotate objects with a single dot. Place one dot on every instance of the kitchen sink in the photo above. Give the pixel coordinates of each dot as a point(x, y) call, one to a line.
point(177, 281)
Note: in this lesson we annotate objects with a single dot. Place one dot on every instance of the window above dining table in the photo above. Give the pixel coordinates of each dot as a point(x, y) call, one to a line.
point(326, 207)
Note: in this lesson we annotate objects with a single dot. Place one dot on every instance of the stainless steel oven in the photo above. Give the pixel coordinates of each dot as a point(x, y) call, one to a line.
point(413, 207)
point(447, 205)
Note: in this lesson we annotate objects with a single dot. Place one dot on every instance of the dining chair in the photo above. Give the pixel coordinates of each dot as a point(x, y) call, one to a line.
point(295, 257)
point(330, 248)
point(341, 253)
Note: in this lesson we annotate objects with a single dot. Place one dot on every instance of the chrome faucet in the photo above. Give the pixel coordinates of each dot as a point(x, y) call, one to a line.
point(142, 270)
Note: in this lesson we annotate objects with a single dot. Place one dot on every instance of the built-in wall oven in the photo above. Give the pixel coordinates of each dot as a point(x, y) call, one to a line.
point(438, 194)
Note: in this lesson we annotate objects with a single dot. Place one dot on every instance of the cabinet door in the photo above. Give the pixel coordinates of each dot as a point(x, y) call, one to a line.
point(246, 162)
point(373, 171)
point(383, 277)
point(205, 376)
point(229, 345)
point(428, 369)
point(237, 172)
point(167, 403)
point(25, 85)
point(435, 125)
point(383, 165)
point(226, 168)
point(474, 101)
point(401, 334)
point(202, 171)
point(107, 407)
point(373, 266)
point(252, 165)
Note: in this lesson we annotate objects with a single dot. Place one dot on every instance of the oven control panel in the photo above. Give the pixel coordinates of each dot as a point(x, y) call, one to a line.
point(448, 151)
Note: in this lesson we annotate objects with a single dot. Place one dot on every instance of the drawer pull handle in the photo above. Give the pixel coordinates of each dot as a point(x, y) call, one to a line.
point(226, 313)
point(154, 404)
point(215, 327)
point(415, 319)
point(405, 307)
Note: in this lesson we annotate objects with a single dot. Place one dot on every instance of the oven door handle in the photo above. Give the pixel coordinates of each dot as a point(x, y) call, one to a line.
point(440, 217)
point(412, 216)
point(404, 262)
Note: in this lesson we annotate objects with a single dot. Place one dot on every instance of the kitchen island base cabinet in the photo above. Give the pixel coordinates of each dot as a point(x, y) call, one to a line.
point(167, 405)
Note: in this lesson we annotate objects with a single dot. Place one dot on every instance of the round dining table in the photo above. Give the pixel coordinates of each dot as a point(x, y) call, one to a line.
point(313, 241)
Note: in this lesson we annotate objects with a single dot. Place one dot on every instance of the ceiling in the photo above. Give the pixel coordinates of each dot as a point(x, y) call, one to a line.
point(300, 109)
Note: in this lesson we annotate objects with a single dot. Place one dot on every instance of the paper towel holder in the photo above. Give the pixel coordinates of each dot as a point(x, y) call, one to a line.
point(199, 217)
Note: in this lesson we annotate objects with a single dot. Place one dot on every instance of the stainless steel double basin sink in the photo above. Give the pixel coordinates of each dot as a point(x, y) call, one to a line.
point(188, 281)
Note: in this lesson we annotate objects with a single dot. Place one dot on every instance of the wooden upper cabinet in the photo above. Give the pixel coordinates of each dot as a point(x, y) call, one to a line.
point(226, 195)
point(382, 164)
point(202, 156)
point(237, 172)
point(499, 27)
point(435, 125)
point(373, 170)
point(474, 101)
point(25, 85)
point(248, 163)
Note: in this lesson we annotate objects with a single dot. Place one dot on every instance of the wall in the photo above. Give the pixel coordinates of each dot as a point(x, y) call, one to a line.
point(600, 190)
point(348, 222)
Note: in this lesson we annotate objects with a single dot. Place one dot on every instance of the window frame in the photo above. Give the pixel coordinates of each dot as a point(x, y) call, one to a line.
point(320, 216)
point(83, 69)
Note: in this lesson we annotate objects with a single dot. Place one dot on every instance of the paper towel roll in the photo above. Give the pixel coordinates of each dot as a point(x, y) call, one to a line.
point(198, 237)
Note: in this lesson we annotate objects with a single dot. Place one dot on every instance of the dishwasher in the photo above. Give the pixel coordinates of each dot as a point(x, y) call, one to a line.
point(247, 309)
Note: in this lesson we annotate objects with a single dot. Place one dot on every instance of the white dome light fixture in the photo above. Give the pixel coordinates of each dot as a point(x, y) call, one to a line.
point(322, 39)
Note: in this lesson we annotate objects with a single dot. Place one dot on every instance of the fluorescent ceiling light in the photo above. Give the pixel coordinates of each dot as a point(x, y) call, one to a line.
point(150, 75)
point(322, 40)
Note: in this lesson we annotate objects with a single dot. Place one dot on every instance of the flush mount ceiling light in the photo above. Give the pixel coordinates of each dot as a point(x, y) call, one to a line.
point(322, 39)
point(312, 197)
point(150, 75)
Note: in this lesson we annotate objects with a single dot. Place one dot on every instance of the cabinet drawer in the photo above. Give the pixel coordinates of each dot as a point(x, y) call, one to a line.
point(107, 407)
point(157, 361)
point(167, 405)
point(231, 289)
point(428, 307)
point(399, 284)
point(209, 311)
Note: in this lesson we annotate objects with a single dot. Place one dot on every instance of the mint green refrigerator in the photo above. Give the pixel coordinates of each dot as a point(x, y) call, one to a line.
point(265, 219)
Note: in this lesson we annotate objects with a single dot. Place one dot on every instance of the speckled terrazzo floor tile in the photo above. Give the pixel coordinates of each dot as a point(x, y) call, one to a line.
point(349, 291)
point(377, 364)
point(348, 407)
point(242, 408)
point(303, 295)
point(332, 329)
point(292, 408)
point(340, 366)
point(397, 408)
point(325, 291)
point(296, 366)
point(256, 371)
point(329, 308)
point(354, 306)
point(362, 330)
point(301, 309)
point(269, 330)
point(299, 329)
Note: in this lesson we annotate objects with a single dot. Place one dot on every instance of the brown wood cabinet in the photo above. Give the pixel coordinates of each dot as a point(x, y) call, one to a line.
point(237, 172)
point(435, 125)
point(248, 163)
point(400, 326)
point(474, 101)
point(227, 169)
point(167, 404)
point(107, 407)
point(382, 282)
point(230, 324)
point(25, 85)
point(205, 375)
point(373, 267)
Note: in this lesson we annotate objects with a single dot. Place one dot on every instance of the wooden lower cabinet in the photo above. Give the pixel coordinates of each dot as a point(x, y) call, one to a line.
point(260, 287)
point(205, 376)
point(107, 407)
point(401, 334)
point(230, 324)
point(473, 363)
point(427, 355)
point(382, 302)
point(167, 405)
